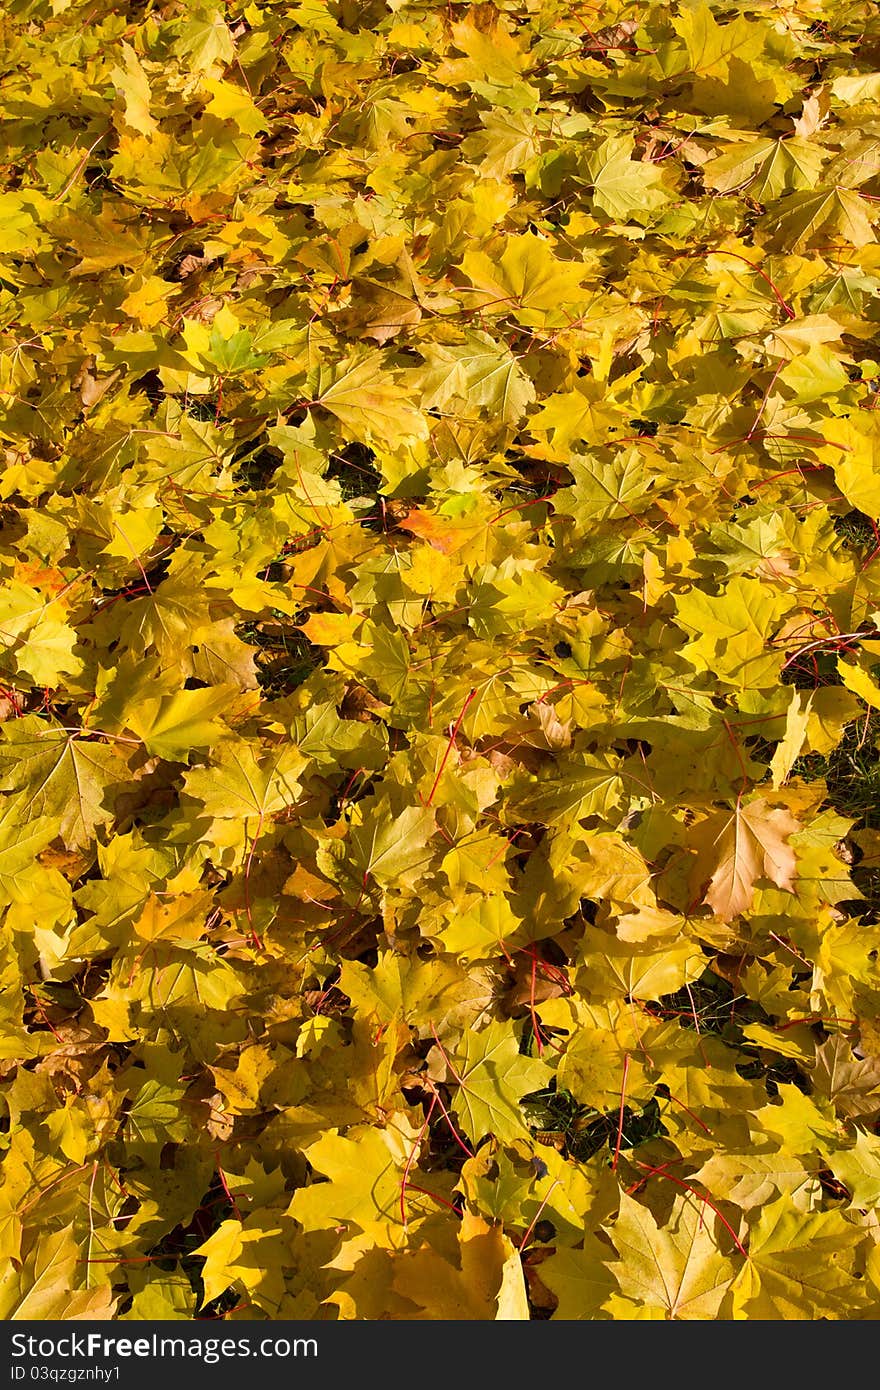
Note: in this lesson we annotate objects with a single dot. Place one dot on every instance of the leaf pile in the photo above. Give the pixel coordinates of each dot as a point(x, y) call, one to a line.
point(439, 627)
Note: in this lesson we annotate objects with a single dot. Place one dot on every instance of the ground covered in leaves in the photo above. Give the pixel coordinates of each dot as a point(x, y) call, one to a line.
point(439, 852)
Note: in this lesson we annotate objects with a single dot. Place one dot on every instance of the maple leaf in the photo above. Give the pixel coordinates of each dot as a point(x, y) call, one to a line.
point(799, 1266)
point(502, 1187)
point(740, 847)
point(801, 216)
point(593, 1066)
point(44, 1285)
point(755, 1177)
point(22, 837)
point(174, 725)
point(378, 311)
point(583, 414)
point(250, 1255)
point(527, 279)
point(508, 142)
point(858, 1169)
point(606, 491)
point(860, 682)
point(181, 920)
point(767, 168)
point(595, 788)
point(677, 1268)
point(797, 722)
point(60, 775)
point(487, 1286)
point(155, 1113)
point(367, 401)
point(36, 635)
point(386, 849)
point(733, 631)
point(363, 1173)
point(582, 1280)
point(710, 45)
point(492, 1076)
point(480, 374)
point(621, 186)
point(239, 783)
point(396, 988)
point(166, 1297)
point(850, 1083)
